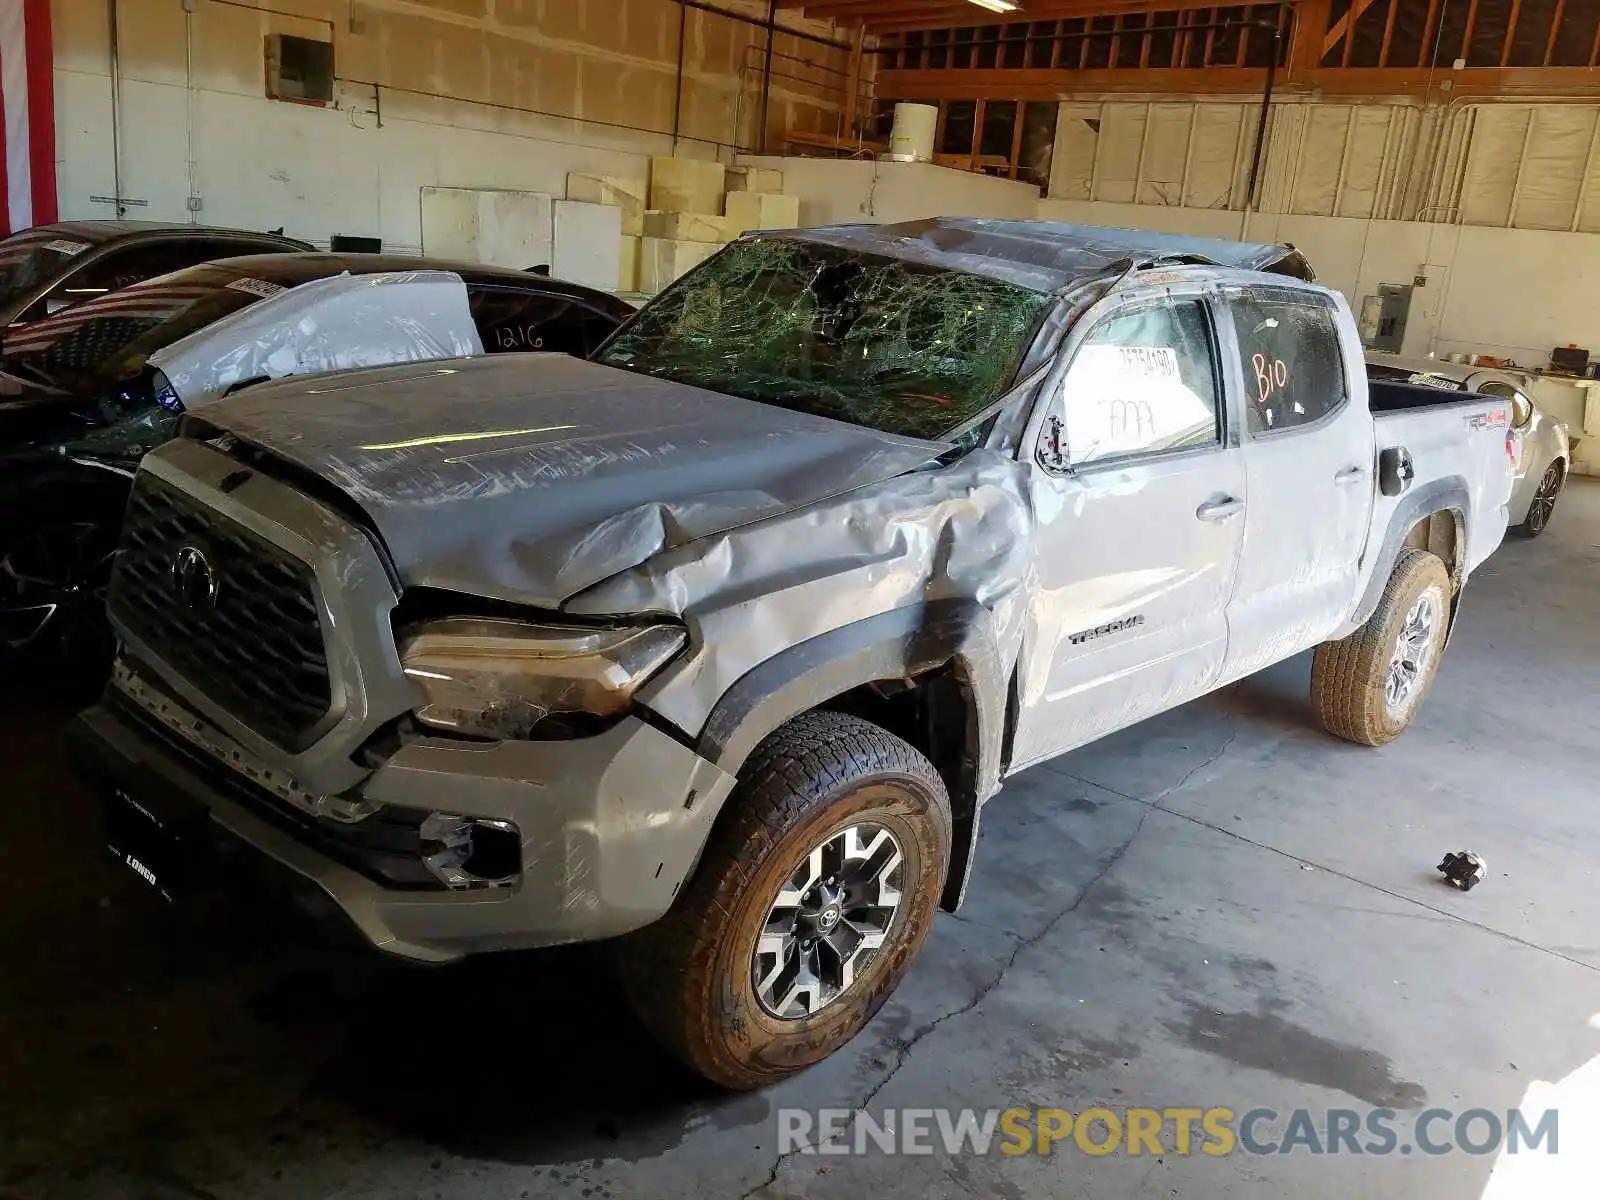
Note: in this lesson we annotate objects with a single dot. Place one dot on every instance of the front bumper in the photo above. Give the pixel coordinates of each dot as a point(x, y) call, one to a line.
point(611, 828)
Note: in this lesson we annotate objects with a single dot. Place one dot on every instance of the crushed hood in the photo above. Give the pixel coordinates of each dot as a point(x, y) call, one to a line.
point(529, 478)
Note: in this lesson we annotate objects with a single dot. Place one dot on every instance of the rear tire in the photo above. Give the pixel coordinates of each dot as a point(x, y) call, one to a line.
point(728, 980)
point(1366, 687)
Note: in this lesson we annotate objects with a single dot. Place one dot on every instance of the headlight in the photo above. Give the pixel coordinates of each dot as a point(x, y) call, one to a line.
point(166, 395)
point(499, 679)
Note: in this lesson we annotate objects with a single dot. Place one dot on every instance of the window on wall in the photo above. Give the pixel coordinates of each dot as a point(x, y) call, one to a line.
point(987, 48)
point(959, 119)
point(1038, 142)
point(299, 69)
point(1289, 353)
point(1227, 35)
point(999, 128)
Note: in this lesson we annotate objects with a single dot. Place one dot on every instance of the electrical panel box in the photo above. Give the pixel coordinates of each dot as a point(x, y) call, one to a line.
point(1394, 307)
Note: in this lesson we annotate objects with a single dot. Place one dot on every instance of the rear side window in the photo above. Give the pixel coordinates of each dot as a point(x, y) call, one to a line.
point(1143, 382)
point(510, 320)
point(1289, 352)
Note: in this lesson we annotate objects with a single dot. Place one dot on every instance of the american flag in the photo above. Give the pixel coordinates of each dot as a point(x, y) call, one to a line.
point(27, 116)
point(117, 317)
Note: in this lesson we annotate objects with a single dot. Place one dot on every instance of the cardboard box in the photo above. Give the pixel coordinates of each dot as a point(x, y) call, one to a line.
point(628, 265)
point(626, 194)
point(761, 210)
point(754, 179)
point(661, 260)
point(688, 185)
point(687, 227)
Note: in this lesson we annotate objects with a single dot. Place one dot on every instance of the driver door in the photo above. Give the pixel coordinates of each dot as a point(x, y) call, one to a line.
point(1139, 495)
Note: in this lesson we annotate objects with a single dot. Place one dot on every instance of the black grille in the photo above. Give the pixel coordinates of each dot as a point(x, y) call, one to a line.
point(254, 644)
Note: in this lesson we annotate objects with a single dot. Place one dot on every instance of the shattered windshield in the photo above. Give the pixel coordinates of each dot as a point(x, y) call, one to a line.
point(900, 347)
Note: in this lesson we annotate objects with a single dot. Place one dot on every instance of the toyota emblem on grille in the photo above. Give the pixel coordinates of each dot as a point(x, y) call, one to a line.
point(194, 578)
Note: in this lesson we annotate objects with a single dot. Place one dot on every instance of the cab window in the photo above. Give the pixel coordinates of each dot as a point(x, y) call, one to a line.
point(1143, 382)
point(1290, 360)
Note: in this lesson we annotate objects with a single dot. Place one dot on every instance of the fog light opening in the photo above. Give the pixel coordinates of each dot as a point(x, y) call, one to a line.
point(471, 852)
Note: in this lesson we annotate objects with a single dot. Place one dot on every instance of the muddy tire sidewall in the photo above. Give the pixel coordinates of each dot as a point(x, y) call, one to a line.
point(761, 1042)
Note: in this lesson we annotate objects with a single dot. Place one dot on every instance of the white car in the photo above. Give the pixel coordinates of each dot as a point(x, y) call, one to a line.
point(1546, 456)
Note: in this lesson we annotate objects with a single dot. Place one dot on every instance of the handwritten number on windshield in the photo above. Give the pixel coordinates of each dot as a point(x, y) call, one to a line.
point(513, 337)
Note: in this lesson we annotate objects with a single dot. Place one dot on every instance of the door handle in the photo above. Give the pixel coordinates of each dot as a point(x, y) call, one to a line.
point(1350, 475)
point(1219, 509)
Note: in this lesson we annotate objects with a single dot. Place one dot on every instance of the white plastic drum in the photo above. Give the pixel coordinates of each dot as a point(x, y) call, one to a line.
point(911, 140)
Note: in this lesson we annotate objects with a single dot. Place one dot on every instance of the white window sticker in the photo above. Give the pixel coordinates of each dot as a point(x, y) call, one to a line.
point(1126, 399)
point(257, 287)
point(67, 247)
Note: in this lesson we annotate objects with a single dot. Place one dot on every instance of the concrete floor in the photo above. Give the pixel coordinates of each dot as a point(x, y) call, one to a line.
point(1221, 907)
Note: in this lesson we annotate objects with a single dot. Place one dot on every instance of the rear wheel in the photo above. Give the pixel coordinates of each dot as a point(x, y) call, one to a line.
point(1543, 504)
point(1366, 687)
point(807, 909)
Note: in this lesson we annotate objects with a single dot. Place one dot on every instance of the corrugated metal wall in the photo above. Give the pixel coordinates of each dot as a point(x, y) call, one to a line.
point(1524, 166)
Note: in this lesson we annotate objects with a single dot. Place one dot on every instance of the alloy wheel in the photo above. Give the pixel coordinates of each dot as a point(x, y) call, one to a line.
point(1544, 499)
point(53, 583)
point(829, 920)
point(1413, 652)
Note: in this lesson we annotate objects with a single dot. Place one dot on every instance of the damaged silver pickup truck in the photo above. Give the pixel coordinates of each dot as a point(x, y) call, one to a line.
point(718, 644)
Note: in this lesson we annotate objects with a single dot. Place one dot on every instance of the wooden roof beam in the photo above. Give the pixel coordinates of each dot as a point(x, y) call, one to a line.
point(933, 84)
point(1057, 10)
point(900, 16)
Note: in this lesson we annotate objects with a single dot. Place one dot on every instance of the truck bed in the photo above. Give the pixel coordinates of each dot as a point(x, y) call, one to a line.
point(1392, 396)
point(1453, 436)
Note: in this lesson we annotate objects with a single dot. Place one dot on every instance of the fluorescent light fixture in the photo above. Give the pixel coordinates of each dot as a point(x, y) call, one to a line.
point(999, 6)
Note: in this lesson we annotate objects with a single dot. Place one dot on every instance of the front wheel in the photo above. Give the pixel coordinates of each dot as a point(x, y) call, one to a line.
point(57, 543)
point(1366, 687)
point(807, 909)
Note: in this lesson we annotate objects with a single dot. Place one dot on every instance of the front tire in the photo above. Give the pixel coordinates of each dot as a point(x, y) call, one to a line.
point(805, 912)
point(58, 538)
point(1366, 687)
